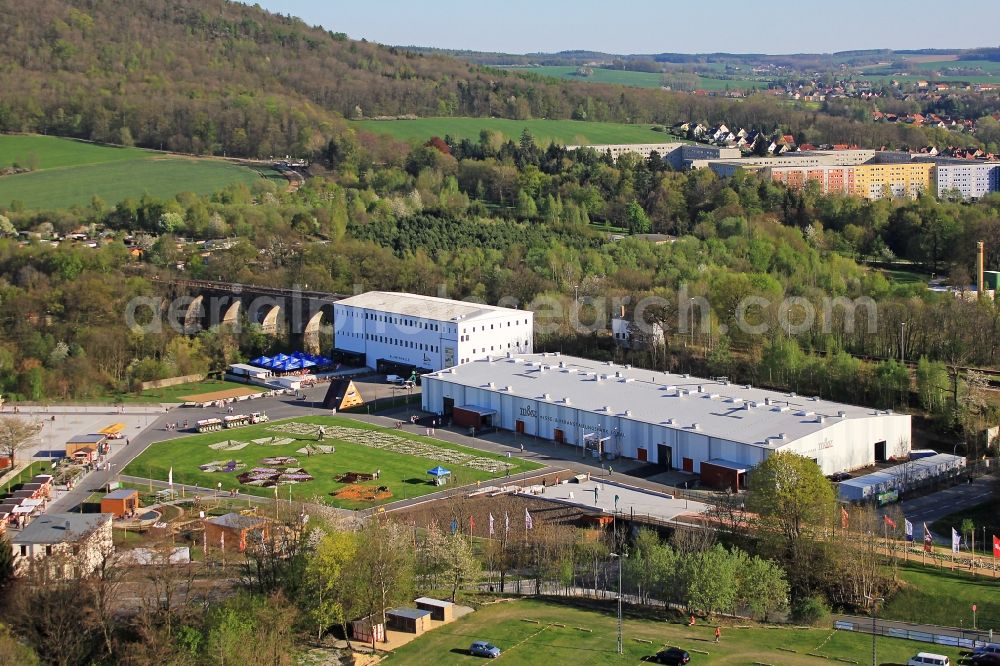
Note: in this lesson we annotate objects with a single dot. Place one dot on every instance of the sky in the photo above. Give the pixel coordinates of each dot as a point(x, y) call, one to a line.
point(656, 26)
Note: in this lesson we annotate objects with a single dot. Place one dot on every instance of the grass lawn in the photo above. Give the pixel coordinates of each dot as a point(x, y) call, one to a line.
point(50, 152)
point(565, 132)
point(177, 393)
point(504, 625)
point(11, 483)
point(905, 277)
point(66, 186)
point(405, 475)
point(933, 595)
point(634, 79)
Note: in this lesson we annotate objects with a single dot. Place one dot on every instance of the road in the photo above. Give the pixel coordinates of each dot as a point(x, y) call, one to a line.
point(937, 505)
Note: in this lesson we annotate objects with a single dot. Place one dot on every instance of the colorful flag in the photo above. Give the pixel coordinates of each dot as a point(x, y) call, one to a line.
point(506, 522)
point(928, 539)
point(491, 524)
point(956, 540)
point(909, 529)
point(170, 477)
point(844, 518)
point(472, 524)
point(889, 521)
point(996, 546)
point(528, 522)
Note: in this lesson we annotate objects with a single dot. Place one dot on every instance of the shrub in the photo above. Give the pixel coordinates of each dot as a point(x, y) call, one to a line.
point(812, 611)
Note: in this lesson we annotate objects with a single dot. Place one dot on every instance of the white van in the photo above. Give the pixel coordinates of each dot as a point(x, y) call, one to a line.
point(929, 658)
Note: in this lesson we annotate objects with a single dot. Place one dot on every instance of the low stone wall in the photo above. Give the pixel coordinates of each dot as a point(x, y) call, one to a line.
point(170, 381)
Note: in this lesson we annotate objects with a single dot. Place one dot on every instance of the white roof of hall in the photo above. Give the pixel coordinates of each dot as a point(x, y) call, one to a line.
point(426, 307)
point(672, 400)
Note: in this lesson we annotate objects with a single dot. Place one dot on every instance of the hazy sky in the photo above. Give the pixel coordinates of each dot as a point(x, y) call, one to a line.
point(655, 26)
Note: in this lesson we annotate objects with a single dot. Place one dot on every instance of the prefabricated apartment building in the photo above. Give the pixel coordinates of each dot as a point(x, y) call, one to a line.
point(713, 428)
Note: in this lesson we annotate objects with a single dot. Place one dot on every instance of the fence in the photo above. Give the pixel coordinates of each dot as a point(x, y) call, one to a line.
point(949, 636)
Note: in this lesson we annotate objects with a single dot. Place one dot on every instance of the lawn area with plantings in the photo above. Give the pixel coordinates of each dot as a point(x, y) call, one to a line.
point(581, 634)
point(290, 455)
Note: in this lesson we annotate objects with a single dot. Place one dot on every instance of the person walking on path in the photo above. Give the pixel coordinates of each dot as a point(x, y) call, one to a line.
point(718, 634)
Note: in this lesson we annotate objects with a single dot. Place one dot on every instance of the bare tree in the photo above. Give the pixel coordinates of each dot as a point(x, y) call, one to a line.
point(381, 573)
point(17, 434)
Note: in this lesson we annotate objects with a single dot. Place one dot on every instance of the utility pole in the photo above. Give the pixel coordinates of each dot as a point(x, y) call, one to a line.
point(619, 558)
point(875, 602)
point(902, 340)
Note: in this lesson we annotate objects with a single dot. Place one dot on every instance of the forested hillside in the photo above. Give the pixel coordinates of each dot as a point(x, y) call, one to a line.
point(210, 76)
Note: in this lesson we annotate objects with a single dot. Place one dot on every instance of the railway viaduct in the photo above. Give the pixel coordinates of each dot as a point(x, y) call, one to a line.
point(300, 315)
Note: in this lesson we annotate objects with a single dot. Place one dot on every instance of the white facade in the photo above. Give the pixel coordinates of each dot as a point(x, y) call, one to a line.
point(426, 332)
point(672, 420)
point(973, 180)
point(627, 337)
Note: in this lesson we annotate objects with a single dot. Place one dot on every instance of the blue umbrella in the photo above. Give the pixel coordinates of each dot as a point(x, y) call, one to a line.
point(439, 471)
point(281, 357)
point(261, 361)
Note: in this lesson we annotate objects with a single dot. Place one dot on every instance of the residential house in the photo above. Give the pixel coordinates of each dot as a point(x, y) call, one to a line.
point(80, 541)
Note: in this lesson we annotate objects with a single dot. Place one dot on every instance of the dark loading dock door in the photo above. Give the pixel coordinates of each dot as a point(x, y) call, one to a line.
point(879, 451)
point(664, 456)
point(448, 406)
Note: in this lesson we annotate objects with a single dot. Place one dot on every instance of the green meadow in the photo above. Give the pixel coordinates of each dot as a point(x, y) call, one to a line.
point(634, 79)
point(565, 132)
point(66, 172)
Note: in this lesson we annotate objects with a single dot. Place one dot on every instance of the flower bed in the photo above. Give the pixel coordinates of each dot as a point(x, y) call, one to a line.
point(395, 444)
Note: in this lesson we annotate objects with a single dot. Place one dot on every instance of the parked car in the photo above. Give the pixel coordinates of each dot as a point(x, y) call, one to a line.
point(985, 659)
point(673, 656)
point(839, 476)
point(928, 659)
point(987, 648)
point(484, 649)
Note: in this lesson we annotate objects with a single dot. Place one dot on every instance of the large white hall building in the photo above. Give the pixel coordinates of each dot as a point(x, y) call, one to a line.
point(713, 428)
point(397, 332)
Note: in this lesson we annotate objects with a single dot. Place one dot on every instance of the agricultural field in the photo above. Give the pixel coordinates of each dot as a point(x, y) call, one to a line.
point(67, 172)
point(565, 132)
point(290, 453)
point(938, 65)
point(636, 79)
point(582, 635)
point(51, 152)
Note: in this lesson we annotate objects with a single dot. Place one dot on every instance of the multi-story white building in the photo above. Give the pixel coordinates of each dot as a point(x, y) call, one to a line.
point(397, 332)
point(678, 155)
point(709, 427)
point(972, 180)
